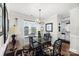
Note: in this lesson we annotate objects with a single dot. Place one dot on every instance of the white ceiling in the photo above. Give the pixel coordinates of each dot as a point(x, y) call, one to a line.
point(47, 9)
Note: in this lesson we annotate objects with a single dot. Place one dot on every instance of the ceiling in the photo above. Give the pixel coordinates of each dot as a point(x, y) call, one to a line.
point(47, 9)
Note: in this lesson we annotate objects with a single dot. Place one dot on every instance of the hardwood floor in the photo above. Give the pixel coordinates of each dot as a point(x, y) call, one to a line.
point(73, 54)
point(65, 50)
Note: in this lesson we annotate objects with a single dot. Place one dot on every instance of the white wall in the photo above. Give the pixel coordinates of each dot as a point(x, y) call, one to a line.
point(63, 19)
point(53, 20)
point(21, 24)
point(74, 30)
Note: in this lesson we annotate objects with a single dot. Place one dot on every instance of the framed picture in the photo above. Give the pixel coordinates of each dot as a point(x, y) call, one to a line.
point(49, 27)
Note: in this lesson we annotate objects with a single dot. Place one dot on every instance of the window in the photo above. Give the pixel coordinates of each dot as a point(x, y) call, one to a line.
point(33, 30)
point(26, 31)
point(0, 21)
point(4, 23)
point(0, 25)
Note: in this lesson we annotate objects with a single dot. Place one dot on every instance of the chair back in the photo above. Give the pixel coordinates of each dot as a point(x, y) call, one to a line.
point(57, 47)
